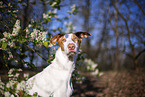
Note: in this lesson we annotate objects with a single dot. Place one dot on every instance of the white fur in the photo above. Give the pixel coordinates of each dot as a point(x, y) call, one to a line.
point(55, 79)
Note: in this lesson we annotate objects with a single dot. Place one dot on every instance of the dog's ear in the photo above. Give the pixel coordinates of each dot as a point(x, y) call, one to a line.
point(82, 34)
point(56, 38)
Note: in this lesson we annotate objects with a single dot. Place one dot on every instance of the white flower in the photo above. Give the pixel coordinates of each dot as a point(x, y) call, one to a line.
point(10, 54)
point(27, 31)
point(55, 11)
point(11, 70)
point(50, 45)
point(68, 30)
point(53, 4)
point(29, 25)
point(65, 23)
point(26, 76)
point(3, 40)
point(9, 4)
point(7, 94)
point(95, 72)
point(14, 96)
point(16, 28)
point(16, 61)
point(21, 85)
point(70, 23)
point(34, 34)
point(15, 11)
point(49, 16)
point(1, 84)
point(10, 84)
point(49, 12)
point(69, 27)
point(100, 74)
point(94, 66)
point(7, 35)
point(45, 16)
point(73, 7)
point(44, 36)
point(17, 75)
point(11, 44)
point(19, 69)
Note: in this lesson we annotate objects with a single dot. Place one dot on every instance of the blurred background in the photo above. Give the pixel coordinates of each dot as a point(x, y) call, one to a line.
point(117, 44)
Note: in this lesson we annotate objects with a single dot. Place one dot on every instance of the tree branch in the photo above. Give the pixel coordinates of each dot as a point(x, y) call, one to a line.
point(127, 27)
point(139, 53)
point(139, 6)
point(36, 52)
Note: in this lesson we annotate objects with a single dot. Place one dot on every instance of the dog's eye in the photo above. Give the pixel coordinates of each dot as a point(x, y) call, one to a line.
point(75, 39)
point(64, 40)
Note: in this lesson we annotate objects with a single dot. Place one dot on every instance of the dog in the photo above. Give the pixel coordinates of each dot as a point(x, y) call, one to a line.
point(55, 79)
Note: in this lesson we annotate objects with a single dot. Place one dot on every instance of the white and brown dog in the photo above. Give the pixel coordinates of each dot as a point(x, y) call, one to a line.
point(55, 80)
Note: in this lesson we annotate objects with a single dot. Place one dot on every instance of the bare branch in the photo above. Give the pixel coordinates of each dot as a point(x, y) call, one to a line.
point(139, 6)
point(139, 53)
point(36, 52)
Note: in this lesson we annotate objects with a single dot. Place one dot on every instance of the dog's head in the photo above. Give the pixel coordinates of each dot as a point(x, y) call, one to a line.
point(69, 43)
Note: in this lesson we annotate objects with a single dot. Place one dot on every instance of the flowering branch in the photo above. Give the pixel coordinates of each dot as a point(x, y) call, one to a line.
point(36, 52)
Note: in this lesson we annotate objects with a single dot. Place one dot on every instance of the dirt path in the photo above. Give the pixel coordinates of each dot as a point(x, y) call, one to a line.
point(113, 84)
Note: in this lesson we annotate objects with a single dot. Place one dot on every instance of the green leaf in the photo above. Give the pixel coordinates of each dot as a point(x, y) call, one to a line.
point(45, 43)
point(4, 45)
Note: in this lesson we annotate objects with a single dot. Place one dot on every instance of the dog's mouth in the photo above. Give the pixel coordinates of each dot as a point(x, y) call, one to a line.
point(71, 55)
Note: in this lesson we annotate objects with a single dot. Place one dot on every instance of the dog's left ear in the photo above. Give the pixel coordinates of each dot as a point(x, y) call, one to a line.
point(56, 38)
point(81, 35)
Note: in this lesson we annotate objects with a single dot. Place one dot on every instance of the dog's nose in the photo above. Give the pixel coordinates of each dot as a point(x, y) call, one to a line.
point(71, 46)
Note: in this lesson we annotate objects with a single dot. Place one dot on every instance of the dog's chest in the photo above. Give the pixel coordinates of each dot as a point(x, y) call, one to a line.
point(58, 73)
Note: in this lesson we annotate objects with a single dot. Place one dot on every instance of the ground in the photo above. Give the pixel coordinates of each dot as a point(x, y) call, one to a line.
point(126, 83)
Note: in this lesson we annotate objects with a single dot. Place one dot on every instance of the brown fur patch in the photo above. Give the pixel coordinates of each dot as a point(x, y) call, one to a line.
point(75, 39)
point(61, 41)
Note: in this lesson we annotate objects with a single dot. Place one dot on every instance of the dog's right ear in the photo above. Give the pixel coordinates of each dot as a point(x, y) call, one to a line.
point(55, 38)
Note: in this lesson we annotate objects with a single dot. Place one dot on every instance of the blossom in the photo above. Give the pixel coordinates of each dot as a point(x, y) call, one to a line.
point(10, 55)
point(55, 11)
point(26, 76)
point(95, 72)
point(69, 27)
point(10, 71)
point(92, 66)
point(10, 84)
point(53, 4)
point(19, 69)
point(3, 40)
point(73, 8)
point(45, 16)
point(50, 45)
point(17, 75)
point(16, 28)
point(29, 25)
point(1, 84)
point(7, 35)
point(21, 85)
point(44, 36)
point(11, 43)
point(7, 94)
point(34, 34)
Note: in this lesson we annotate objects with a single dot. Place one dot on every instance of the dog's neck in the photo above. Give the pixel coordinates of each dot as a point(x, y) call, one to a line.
point(63, 62)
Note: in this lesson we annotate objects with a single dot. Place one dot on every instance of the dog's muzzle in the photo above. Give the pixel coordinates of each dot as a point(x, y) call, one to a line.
point(71, 55)
point(72, 52)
